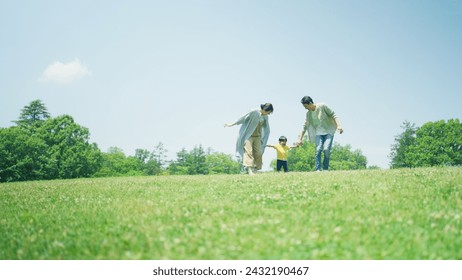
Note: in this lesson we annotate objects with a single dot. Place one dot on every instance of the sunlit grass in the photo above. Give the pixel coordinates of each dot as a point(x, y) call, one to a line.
point(390, 214)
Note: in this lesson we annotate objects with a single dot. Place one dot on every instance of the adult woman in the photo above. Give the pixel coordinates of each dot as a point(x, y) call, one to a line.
point(253, 136)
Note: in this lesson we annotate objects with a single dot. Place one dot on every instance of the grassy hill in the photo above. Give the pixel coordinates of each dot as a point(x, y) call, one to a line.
point(370, 214)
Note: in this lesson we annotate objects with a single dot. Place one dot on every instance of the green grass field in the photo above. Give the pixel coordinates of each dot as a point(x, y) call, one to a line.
point(370, 214)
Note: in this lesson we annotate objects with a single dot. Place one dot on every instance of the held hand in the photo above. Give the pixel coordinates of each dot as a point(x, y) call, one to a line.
point(340, 129)
point(228, 124)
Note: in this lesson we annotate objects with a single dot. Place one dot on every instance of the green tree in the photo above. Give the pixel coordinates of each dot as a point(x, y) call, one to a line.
point(197, 161)
point(142, 155)
point(180, 165)
point(41, 147)
point(156, 160)
point(33, 115)
point(152, 167)
point(69, 152)
point(342, 158)
point(159, 154)
point(23, 156)
point(22, 151)
point(116, 163)
point(400, 150)
point(149, 161)
point(219, 163)
point(437, 144)
point(373, 167)
point(190, 163)
point(301, 158)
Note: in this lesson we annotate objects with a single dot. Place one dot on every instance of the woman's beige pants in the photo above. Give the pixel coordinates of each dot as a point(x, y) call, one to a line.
point(253, 153)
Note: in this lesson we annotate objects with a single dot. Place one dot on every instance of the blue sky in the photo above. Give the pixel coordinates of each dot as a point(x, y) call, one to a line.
point(137, 73)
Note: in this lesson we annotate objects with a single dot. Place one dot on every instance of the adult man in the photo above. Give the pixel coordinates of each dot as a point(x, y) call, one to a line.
point(321, 124)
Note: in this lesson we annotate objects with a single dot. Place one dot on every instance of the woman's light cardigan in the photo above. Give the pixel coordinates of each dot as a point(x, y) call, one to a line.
point(249, 123)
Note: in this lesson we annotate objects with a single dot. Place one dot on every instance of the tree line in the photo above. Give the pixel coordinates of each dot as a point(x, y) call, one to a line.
point(41, 147)
point(433, 144)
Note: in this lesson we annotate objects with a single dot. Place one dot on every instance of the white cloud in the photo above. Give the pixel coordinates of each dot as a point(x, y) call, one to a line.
point(64, 73)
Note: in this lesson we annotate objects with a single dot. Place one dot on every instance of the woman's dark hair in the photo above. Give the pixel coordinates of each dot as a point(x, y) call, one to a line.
point(268, 107)
point(283, 138)
point(307, 100)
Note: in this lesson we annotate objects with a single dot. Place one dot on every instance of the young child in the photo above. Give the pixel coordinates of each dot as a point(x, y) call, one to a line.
point(282, 150)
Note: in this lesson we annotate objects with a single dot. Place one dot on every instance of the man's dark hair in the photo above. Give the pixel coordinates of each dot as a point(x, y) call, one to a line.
point(268, 107)
point(283, 138)
point(307, 100)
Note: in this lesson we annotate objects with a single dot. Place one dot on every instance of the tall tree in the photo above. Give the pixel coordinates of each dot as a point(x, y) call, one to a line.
point(434, 144)
point(401, 148)
point(180, 165)
point(437, 144)
point(160, 154)
point(41, 147)
point(197, 161)
point(70, 153)
point(142, 155)
point(33, 114)
point(149, 161)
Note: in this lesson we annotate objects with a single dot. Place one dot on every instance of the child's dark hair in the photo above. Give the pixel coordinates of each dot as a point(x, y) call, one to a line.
point(268, 107)
point(283, 138)
point(307, 100)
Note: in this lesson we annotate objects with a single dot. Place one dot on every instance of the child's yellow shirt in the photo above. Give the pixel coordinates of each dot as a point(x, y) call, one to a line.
point(281, 151)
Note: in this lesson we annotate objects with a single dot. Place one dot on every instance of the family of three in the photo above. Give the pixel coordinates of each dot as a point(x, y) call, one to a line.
point(321, 123)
